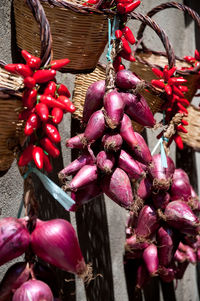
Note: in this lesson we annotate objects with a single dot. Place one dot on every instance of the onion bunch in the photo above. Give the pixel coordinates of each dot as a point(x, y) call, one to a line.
point(165, 233)
point(123, 156)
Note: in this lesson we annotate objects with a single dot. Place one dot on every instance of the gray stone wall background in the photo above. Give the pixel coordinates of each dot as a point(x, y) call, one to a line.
point(103, 219)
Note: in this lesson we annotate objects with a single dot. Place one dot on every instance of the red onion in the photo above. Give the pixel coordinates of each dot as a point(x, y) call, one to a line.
point(180, 256)
point(161, 199)
point(15, 276)
point(112, 142)
point(165, 239)
point(34, 290)
point(193, 201)
point(76, 142)
point(105, 161)
point(138, 109)
point(55, 242)
point(142, 276)
point(93, 99)
point(191, 255)
point(114, 108)
point(179, 215)
point(118, 187)
point(14, 238)
point(166, 274)
point(150, 257)
point(73, 167)
point(84, 176)
point(85, 195)
point(180, 188)
point(95, 127)
point(144, 189)
point(133, 244)
point(130, 166)
point(161, 176)
point(128, 134)
point(147, 222)
point(144, 152)
point(181, 269)
point(126, 79)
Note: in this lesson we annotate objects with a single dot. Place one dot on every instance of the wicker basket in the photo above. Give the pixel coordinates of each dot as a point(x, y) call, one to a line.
point(11, 87)
point(146, 59)
point(83, 81)
point(79, 32)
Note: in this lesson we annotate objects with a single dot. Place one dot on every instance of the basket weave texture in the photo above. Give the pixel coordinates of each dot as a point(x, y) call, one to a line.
point(81, 37)
point(10, 127)
point(192, 138)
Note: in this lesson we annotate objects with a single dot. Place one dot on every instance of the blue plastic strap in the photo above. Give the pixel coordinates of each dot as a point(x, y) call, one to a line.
point(20, 209)
point(58, 194)
point(163, 155)
point(109, 41)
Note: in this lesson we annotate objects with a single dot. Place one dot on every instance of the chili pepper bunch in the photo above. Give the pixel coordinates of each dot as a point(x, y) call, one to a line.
point(176, 102)
point(44, 103)
point(195, 61)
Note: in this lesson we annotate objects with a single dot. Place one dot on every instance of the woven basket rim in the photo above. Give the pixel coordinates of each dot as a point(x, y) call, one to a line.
point(79, 8)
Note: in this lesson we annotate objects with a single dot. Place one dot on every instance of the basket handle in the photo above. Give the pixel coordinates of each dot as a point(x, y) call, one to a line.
point(146, 20)
point(195, 16)
point(45, 32)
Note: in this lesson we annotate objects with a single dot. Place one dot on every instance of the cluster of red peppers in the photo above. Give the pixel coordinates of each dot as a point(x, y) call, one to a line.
point(123, 6)
point(44, 103)
point(195, 61)
point(176, 101)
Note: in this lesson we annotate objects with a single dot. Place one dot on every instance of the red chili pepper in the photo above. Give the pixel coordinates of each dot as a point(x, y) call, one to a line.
point(57, 115)
point(50, 89)
point(117, 63)
point(177, 81)
point(178, 141)
point(49, 147)
point(121, 67)
point(29, 98)
point(178, 92)
point(25, 114)
point(184, 122)
point(124, 1)
point(183, 88)
point(38, 156)
point(126, 56)
point(52, 102)
point(158, 83)
point(126, 47)
point(165, 73)
point(171, 71)
point(42, 111)
point(118, 33)
point(127, 8)
point(47, 164)
point(33, 61)
point(58, 64)
point(62, 90)
point(24, 70)
point(11, 68)
point(189, 59)
point(26, 155)
point(51, 132)
point(184, 101)
point(180, 128)
point(127, 32)
point(29, 82)
point(69, 107)
point(157, 72)
point(31, 125)
point(168, 89)
point(197, 55)
point(43, 76)
point(182, 108)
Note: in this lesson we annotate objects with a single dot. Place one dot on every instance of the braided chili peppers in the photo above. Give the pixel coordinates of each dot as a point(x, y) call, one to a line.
point(44, 103)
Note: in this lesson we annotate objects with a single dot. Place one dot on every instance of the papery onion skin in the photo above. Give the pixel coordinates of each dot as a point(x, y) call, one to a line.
point(112, 142)
point(179, 216)
point(118, 187)
point(15, 276)
point(95, 127)
point(166, 246)
point(93, 99)
point(126, 79)
point(34, 290)
point(130, 166)
point(144, 188)
point(147, 222)
point(76, 142)
point(150, 257)
point(14, 238)
point(55, 242)
point(180, 188)
point(105, 161)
